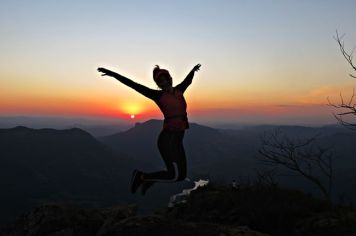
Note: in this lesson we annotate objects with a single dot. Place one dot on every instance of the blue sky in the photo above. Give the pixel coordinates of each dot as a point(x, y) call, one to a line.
point(253, 53)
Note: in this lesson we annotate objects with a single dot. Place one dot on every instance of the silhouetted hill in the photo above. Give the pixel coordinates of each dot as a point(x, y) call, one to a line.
point(40, 165)
point(95, 126)
point(341, 140)
point(227, 153)
point(208, 150)
point(231, 154)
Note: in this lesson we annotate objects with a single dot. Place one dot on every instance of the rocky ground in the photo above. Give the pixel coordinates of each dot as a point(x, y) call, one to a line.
point(210, 211)
point(60, 220)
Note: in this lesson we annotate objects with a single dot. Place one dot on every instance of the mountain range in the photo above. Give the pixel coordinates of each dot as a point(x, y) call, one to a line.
point(70, 165)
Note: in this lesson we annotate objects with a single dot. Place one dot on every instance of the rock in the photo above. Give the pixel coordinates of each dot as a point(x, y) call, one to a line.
point(328, 223)
point(208, 212)
point(63, 232)
point(53, 218)
point(159, 225)
point(119, 212)
point(64, 220)
point(244, 230)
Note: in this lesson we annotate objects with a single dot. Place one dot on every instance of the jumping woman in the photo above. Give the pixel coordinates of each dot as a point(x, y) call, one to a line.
point(171, 102)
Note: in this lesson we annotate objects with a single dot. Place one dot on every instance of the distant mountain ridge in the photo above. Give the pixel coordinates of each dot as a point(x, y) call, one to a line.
point(41, 165)
point(205, 147)
point(94, 125)
point(48, 165)
point(37, 165)
point(232, 154)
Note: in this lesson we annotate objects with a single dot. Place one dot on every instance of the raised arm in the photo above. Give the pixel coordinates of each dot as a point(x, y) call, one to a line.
point(188, 79)
point(147, 92)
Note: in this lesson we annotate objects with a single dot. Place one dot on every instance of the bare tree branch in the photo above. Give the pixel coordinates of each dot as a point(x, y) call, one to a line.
point(347, 56)
point(300, 156)
point(350, 108)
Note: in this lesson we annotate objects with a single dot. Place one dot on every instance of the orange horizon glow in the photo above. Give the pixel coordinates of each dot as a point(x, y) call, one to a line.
point(147, 110)
point(242, 105)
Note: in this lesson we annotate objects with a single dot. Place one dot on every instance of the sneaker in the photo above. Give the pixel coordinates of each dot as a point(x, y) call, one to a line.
point(145, 186)
point(135, 180)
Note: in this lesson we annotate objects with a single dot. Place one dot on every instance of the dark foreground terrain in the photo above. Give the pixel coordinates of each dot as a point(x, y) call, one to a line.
point(212, 210)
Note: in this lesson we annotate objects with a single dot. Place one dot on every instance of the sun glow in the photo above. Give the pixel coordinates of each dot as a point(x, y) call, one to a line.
point(132, 109)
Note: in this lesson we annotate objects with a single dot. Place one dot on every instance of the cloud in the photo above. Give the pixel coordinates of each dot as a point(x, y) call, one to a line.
point(320, 94)
point(287, 105)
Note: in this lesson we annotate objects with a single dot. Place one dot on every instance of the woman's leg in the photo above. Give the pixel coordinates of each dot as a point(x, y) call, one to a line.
point(182, 162)
point(170, 145)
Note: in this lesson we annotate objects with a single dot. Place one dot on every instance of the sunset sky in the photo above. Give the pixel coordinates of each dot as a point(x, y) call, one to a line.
point(262, 61)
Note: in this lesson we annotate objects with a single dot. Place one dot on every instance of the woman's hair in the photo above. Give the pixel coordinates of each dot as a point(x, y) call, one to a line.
point(156, 70)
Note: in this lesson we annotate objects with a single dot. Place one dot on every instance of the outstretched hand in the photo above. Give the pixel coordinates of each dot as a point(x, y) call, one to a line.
point(106, 72)
point(196, 68)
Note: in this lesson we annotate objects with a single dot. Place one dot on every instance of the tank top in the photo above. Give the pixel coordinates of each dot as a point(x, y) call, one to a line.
point(174, 109)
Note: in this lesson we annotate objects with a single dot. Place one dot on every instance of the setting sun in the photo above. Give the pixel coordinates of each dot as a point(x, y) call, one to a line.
point(131, 109)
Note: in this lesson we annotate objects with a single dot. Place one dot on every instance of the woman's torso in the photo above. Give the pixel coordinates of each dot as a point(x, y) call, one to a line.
point(174, 108)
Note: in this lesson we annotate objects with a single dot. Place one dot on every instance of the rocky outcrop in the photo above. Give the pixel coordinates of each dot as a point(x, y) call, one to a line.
point(267, 209)
point(159, 225)
point(209, 211)
point(61, 220)
point(58, 220)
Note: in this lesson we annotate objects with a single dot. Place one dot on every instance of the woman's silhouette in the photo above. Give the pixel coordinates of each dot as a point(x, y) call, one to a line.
point(171, 102)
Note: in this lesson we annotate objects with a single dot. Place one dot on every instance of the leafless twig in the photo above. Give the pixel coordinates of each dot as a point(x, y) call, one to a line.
point(347, 56)
point(349, 108)
point(301, 156)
